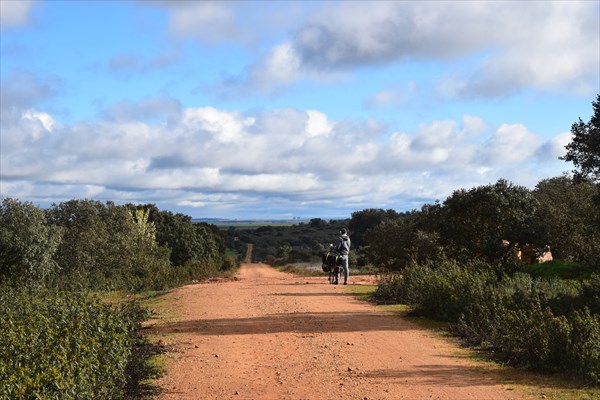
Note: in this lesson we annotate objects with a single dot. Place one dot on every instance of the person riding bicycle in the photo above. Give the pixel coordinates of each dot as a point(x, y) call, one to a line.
point(342, 247)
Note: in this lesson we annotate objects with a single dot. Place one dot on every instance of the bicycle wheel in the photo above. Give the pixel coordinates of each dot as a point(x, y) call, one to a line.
point(331, 278)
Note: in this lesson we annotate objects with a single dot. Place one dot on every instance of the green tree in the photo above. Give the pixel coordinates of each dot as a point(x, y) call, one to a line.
point(584, 149)
point(474, 222)
point(146, 229)
point(212, 242)
point(103, 246)
point(566, 207)
point(362, 221)
point(27, 243)
point(317, 223)
point(396, 244)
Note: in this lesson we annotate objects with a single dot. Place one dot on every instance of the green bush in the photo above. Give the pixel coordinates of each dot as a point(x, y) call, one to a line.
point(443, 292)
point(59, 345)
point(516, 320)
point(535, 323)
point(591, 294)
point(390, 289)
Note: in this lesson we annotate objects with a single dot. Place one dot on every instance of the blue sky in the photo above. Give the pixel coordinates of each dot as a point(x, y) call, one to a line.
point(288, 109)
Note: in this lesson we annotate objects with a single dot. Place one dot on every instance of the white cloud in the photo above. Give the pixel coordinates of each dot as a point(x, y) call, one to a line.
point(547, 45)
point(15, 13)
point(215, 22)
point(317, 124)
point(511, 144)
point(283, 64)
point(208, 20)
point(43, 118)
point(226, 127)
point(301, 158)
point(22, 89)
point(555, 147)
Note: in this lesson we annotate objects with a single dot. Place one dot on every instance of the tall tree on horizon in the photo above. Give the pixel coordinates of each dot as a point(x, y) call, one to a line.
point(584, 149)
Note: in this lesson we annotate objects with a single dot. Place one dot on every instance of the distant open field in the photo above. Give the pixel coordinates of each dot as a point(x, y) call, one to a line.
point(250, 224)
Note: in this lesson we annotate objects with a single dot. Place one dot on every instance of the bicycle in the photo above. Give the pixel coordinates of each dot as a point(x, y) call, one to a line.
point(331, 264)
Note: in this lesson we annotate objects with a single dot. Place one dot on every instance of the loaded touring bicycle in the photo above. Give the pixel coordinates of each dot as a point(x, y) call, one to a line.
point(332, 262)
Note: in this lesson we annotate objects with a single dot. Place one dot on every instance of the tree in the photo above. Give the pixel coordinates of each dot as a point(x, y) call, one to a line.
point(566, 208)
point(105, 247)
point(398, 243)
point(363, 221)
point(474, 222)
point(584, 149)
point(317, 222)
point(27, 243)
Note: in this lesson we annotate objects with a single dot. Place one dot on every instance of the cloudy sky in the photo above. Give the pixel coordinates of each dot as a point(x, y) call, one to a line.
point(289, 109)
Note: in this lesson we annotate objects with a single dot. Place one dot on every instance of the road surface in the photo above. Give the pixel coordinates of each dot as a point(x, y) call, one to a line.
point(270, 335)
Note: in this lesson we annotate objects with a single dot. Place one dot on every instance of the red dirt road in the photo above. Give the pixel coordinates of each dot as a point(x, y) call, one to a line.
point(270, 335)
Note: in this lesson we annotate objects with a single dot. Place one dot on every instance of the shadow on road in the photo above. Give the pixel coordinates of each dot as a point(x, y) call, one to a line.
point(292, 322)
point(439, 375)
point(306, 294)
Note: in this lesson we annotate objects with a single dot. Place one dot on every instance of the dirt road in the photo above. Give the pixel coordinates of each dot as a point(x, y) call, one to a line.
point(270, 335)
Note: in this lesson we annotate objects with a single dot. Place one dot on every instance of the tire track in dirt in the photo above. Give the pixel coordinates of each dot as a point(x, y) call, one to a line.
point(270, 335)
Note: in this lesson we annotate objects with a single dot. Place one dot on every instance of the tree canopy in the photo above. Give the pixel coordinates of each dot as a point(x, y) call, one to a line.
point(584, 149)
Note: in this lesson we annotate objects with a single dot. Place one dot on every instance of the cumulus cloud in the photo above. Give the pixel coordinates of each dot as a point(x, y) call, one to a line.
point(216, 22)
point(548, 45)
point(206, 156)
point(23, 89)
point(15, 13)
point(554, 148)
point(206, 20)
point(510, 144)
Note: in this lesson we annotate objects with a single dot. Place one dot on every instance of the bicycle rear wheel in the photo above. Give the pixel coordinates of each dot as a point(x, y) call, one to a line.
point(332, 276)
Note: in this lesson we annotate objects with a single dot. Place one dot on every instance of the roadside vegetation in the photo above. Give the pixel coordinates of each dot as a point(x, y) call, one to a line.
point(473, 261)
point(70, 327)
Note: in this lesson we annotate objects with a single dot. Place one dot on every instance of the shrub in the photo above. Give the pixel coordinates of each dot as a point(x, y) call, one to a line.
point(591, 294)
point(390, 289)
point(444, 292)
point(536, 323)
point(520, 321)
point(584, 352)
point(58, 345)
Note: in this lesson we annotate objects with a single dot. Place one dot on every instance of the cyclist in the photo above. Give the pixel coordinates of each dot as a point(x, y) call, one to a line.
point(342, 247)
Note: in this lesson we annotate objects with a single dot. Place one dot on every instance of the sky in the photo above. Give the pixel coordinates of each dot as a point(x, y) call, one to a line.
point(289, 109)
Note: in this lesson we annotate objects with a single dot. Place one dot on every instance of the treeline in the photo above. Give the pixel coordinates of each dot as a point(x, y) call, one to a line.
point(277, 245)
point(471, 260)
point(491, 223)
point(60, 341)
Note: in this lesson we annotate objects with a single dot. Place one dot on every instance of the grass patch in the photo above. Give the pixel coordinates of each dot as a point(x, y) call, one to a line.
point(560, 269)
point(362, 292)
